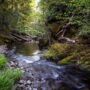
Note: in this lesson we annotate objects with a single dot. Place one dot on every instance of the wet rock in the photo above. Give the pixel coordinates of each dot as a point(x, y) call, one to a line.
point(3, 49)
point(21, 82)
point(28, 82)
point(12, 64)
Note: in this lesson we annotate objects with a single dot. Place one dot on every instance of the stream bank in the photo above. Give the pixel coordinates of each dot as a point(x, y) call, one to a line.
point(40, 74)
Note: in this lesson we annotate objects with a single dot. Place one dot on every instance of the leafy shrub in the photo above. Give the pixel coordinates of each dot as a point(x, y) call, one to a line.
point(3, 61)
point(8, 78)
point(85, 32)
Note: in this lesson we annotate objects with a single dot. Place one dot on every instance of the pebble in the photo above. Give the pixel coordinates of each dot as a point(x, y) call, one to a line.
point(12, 64)
point(21, 82)
point(28, 82)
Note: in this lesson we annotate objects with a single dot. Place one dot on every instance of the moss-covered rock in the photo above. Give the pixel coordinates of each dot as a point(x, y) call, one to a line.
point(57, 50)
point(68, 60)
point(80, 55)
point(84, 60)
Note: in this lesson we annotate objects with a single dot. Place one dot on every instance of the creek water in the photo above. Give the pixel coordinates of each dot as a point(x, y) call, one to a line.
point(40, 74)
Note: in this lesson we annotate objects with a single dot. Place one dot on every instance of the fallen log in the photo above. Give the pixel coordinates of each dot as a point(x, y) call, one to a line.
point(14, 35)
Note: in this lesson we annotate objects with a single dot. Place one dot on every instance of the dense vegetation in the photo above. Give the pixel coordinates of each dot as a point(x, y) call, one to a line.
point(14, 14)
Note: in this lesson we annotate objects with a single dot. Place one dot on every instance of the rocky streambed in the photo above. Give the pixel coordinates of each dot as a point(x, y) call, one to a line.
point(40, 74)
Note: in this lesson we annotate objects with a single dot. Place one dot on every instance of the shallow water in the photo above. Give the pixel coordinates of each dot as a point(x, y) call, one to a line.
point(27, 48)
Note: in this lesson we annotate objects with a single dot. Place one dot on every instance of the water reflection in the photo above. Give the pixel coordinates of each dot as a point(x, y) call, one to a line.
point(27, 48)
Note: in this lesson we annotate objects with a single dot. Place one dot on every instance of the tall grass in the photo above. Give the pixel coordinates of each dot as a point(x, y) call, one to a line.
point(8, 77)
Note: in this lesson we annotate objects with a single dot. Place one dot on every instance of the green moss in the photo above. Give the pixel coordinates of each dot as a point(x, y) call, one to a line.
point(80, 55)
point(50, 54)
point(85, 59)
point(56, 50)
point(3, 61)
point(67, 60)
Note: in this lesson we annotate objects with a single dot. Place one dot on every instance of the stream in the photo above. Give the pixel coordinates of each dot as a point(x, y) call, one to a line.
point(40, 74)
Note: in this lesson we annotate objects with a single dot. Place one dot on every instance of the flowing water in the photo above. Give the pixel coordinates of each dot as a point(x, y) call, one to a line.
point(40, 74)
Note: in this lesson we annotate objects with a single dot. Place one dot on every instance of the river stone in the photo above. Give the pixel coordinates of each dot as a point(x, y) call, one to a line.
point(21, 82)
point(3, 49)
point(28, 82)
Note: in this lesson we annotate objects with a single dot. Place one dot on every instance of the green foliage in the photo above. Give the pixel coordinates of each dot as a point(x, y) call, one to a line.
point(14, 14)
point(61, 9)
point(35, 25)
point(76, 12)
point(3, 61)
point(5, 83)
point(21, 15)
point(14, 74)
point(85, 32)
point(8, 78)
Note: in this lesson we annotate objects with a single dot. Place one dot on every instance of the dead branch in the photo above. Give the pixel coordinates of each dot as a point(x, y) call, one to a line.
point(66, 39)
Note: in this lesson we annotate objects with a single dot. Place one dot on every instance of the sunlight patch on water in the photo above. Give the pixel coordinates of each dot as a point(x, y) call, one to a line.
point(27, 59)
